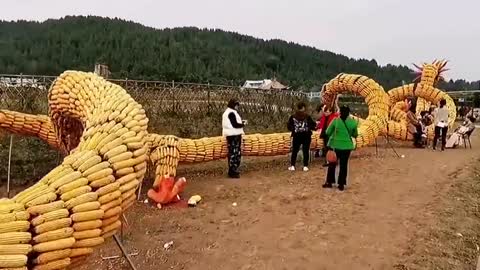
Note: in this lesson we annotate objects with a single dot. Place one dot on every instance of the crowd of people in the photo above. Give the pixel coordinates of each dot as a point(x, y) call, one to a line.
point(338, 130)
point(438, 116)
point(335, 126)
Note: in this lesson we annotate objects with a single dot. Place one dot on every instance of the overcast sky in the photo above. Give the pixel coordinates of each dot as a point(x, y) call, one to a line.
point(391, 31)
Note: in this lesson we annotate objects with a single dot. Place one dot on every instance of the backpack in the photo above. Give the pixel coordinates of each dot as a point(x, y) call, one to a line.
point(300, 126)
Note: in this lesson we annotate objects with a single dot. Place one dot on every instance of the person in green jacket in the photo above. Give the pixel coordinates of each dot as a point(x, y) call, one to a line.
point(340, 133)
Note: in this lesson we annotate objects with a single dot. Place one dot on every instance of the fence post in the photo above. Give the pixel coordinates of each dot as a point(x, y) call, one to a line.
point(173, 96)
point(208, 97)
point(9, 166)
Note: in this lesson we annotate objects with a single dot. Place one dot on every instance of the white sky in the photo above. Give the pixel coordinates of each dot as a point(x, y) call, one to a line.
point(391, 31)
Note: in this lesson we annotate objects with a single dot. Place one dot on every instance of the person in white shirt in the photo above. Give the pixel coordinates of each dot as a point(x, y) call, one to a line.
point(441, 124)
point(232, 125)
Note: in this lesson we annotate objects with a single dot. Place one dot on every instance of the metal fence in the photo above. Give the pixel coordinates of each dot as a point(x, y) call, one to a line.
point(183, 109)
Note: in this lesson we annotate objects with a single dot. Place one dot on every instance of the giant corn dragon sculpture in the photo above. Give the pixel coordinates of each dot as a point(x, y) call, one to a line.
point(104, 133)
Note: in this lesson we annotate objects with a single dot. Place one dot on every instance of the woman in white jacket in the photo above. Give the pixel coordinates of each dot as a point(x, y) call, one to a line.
point(232, 125)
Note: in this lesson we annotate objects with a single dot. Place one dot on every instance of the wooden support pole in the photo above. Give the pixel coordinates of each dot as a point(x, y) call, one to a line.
point(9, 165)
point(120, 245)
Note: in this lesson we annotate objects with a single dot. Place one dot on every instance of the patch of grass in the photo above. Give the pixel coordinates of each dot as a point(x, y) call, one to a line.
point(453, 241)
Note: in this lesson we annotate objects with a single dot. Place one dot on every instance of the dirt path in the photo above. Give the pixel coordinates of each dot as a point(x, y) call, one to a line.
point(285, 220)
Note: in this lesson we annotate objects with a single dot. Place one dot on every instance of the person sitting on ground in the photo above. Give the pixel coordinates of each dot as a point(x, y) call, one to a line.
point(327, 117)
point(456, 138)
point(301, 125)
point(340, 134)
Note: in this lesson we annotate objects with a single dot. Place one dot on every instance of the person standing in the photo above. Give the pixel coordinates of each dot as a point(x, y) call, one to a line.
point(340, 133)
point(301, 125)
point(232, 125)
point(327, 117)
point(441, 124)
point(413, 123)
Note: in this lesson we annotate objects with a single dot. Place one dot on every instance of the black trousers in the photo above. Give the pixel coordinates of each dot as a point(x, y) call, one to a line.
point(303, 140)
point(325, 145)
point(342, 160)
point(440, 132)
point(234, 144)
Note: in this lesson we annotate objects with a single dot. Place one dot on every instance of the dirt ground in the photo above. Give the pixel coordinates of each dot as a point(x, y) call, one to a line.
point(397, 213)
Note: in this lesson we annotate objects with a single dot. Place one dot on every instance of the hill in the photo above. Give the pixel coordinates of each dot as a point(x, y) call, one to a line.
point(181, 54)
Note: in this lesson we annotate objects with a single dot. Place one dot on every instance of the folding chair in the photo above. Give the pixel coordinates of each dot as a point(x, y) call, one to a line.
point(466, 138)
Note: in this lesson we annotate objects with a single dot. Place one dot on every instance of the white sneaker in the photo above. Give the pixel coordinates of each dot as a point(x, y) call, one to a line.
point(305, 169)
point(291, 168)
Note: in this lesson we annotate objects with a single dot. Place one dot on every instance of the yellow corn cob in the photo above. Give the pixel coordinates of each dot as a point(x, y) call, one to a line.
point(87, 225)
point(76, 252)
point(102, 182)
point(73, 185)
point(54, 245)
point(29, 194)
point(124, 171)
point(84, 198)
point(109, 234)
point(75, 193)
point(115, 151)
point(124, 164)
point(14, 226)
point(57, 214)
point(89, 242)
point(53, 225)
point(127, 178)
point(120, 157)
point(110, 197)
point(130, 185)
point(69, 178)
point(110, 220)
point(89, 215)
point(45, 208)
point(127, 194)
point(15, 268)
point(112, 212)
point(92, 161)
point(17, 249)
point(12, 238)
point(89, 206)
point(43, 199)
point(97, 167)
point(51, 256)
point(11, 208)
point(55, 265)
point(107, 189)
point(87, 234)
point(114, 226)
point(23, 215)
point(111, 204)
point(128, 202)
point(87, 155)
point(13, 261)
point(99, 174)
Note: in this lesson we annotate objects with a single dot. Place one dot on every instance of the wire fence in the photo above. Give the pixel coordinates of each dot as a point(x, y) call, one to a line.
point(183, 109)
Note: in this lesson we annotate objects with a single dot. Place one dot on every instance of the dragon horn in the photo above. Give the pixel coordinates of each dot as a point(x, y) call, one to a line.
point(415, 65)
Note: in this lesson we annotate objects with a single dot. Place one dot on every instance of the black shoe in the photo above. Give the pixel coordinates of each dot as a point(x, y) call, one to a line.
point(325, 164)
point(341, 188)
point(327, 185)
point(234, 175)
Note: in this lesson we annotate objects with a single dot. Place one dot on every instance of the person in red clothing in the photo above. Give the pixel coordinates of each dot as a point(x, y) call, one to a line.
point(327, 117)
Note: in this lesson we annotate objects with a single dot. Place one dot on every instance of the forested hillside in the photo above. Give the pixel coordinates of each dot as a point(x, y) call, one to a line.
point(181, 54)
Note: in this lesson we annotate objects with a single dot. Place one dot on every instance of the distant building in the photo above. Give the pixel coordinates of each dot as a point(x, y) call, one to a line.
point(102, 70)
point(265, 84)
